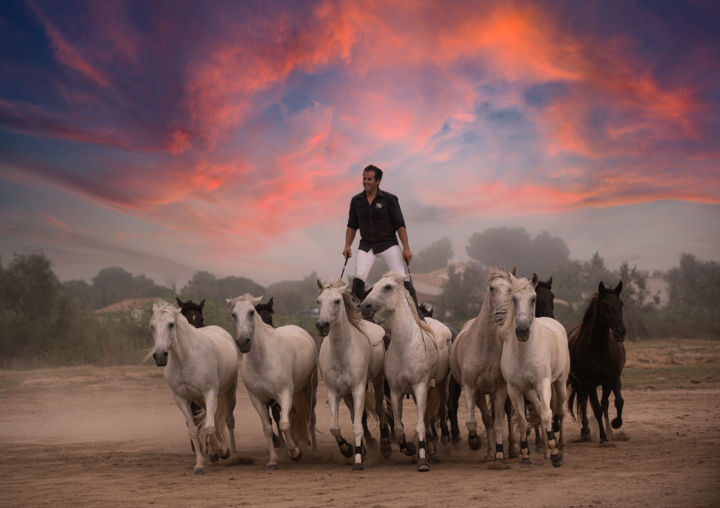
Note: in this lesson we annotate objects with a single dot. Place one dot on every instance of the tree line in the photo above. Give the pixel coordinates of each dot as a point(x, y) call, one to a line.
point(44, 321)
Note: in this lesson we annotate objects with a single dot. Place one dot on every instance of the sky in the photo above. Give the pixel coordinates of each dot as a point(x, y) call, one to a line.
point(171, 137)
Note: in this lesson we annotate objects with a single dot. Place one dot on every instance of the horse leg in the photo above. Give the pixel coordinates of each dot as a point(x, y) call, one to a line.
point(559, 416)
point(285, 405)
point(488, 421)
point(452, 405)
point(274, 409)
point(605, 406)
point(385, 448)
point(420, 391)
point(597, 411)
point(499, 397)
point(262, 411)
point(184, 406)
point(359, 404)
point(512, 438)
point(334, 405)
point(582, 398)
point(443, 411)
point(230, 419)
point(215, 447)
point(396, 402)
point(469, 396)
point(519, 402)
point(619, 403)
point(545, 392)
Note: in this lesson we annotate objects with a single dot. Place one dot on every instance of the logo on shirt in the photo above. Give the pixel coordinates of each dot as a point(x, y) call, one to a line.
point(378, 205)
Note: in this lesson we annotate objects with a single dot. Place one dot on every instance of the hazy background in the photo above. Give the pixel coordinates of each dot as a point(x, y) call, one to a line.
point(175, 137)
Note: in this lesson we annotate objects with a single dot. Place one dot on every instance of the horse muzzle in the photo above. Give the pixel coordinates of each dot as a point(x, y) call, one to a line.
point(619, 335)
point(367, 310)
point(160, 358)
point(243, 345)
point(523, 334)
point(323, 328)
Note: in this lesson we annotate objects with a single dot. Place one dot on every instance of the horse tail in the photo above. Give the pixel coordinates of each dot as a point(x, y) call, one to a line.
point(304, 403)
point(221, 421)
point(570, 401)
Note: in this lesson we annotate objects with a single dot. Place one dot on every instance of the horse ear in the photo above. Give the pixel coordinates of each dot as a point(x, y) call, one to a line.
point(514, 271)
point(256, 301)
point(319, 285)
point(179, 301)
point(535, 279)
point(618, 288)
point(549, 281)
point(601, 288)
point(270, 302)
point(202, 304)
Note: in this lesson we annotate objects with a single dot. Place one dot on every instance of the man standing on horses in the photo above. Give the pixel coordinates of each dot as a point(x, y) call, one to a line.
point(378, 216)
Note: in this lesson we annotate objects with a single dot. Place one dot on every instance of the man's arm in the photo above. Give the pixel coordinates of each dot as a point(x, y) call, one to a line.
point(402, 234)
point(349, 237)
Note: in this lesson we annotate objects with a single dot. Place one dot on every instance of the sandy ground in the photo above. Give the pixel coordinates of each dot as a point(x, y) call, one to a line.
point(114, 437)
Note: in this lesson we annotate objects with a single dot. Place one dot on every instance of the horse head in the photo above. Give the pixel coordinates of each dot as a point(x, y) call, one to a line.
point(545, 306)
point(426, 309)
point(610, 308)
point(244, 314)
point(163, 326)
point(330, 304)
point(523, 306)
point(192, 311)
point(266, 311)
point(384, 295)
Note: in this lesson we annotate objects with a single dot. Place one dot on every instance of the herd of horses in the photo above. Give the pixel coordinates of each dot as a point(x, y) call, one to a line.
point(513, 361)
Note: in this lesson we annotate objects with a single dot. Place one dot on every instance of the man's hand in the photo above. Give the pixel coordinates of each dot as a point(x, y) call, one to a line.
point(407, 255)
point(347, 252)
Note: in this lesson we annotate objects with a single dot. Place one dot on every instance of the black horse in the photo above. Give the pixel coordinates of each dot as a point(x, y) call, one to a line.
point(597, 357)
point(192, 311)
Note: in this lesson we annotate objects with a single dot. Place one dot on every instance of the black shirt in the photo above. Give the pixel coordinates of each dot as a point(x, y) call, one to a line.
point(377, 221)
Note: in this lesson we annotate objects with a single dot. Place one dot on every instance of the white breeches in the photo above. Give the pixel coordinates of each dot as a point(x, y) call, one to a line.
point(365, 260)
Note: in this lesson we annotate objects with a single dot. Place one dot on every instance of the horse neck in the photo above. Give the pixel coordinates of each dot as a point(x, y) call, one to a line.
point(260, 340)
point(488, 327)
point(599, 330)
point(182, 347)
point(402, 322)
point(341, 329)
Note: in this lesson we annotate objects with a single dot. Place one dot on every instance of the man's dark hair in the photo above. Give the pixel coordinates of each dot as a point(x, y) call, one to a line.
point(376, 170)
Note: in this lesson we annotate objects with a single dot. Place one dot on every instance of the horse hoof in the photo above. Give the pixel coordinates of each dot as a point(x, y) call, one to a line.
point(199, 470)
point(227, 454)
point(358, 467)
point(214, 458)
point(409, 449)
point(558, 460)
point(607, 444)
point(474, 442)
point(539, 450)
point(271, 467)
point(525, 462)
point(498, 465)
point(434, 458)
point(276, 441)
point(616, 423)
point(585, 436)
point(298, 456)
point(423, 465)
point(346, 449)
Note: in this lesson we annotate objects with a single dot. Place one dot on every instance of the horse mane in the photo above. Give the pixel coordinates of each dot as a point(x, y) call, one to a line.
point(411, 304)
point(350, 302)
point(499, 315)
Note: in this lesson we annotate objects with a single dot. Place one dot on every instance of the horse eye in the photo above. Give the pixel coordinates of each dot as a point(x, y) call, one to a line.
point(337, 302)
point(171, 325)
point(251, 313)
point(492, 289)
point(387, 288)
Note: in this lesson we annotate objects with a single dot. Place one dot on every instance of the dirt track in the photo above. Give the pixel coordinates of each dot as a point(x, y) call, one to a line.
point(109, 437)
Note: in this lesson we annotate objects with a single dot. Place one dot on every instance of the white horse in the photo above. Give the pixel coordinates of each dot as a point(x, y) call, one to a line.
point(416, 361)
point(277, 364)
point(351, 358)
point(201, 366)
point(535, 358)
point(475, 364)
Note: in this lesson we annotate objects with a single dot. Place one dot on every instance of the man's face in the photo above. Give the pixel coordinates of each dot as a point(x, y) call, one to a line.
point(369, 182)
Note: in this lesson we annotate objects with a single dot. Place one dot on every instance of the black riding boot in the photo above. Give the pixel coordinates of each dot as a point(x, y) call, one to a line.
point(358, 289)
point(409, 286)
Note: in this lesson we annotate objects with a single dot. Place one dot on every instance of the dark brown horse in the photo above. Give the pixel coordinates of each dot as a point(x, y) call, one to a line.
point(192, 311)
point(597, 358)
